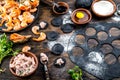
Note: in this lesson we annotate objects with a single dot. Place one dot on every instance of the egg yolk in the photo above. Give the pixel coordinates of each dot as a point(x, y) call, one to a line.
point(80, 15)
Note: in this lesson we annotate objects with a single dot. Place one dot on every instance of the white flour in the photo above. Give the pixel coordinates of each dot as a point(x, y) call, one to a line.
point(95, 69)
point(63, 40)
point(103, 7)
point(96, 57)
point(66, 17)
point(116, 18)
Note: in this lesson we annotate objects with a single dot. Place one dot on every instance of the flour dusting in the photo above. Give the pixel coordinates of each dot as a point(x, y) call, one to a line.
point(96, 57)
point(116, 18)
point(66, 17)
point(63, 40)
point(94, 69)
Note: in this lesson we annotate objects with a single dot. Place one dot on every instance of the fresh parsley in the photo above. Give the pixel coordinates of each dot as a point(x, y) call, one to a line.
point(6, 47)
point(76, 73)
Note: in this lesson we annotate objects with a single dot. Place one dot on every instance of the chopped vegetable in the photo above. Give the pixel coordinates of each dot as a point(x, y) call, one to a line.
point(6, 47)
point(76, 73)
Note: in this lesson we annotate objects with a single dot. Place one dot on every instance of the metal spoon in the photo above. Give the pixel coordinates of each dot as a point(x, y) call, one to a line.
point(45, 68)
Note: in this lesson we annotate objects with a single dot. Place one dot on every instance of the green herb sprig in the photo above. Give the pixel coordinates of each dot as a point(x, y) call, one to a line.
point(6, 47)
point(76, 73)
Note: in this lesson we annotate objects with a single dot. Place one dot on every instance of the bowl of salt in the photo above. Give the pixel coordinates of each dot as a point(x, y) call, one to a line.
point(103, 8)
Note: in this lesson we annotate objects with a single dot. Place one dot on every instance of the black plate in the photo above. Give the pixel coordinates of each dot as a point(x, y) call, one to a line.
point(93, 60)
point(36, 14)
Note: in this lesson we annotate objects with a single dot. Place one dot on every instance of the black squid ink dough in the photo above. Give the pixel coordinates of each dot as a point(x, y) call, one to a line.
point(67, 28)
point(57, 65)
point(52, 35)
point(57, 49)
point(57, 21)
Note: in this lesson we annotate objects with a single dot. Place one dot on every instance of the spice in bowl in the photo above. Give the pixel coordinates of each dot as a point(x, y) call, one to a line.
point(103, 8)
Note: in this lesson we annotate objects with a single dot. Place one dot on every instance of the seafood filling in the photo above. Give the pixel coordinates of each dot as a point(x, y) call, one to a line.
point(23, 65)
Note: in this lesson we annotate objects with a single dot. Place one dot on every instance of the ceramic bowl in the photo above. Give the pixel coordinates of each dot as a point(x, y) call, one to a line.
point(99, 15)
point(61, 4)
point(28, 54)
point(87, 16)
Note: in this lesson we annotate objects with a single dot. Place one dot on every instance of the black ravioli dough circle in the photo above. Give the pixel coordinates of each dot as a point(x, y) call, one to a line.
point(52, 35)
point(57, 65)
point(57, 49)
point(67, 28)
point(57, 21)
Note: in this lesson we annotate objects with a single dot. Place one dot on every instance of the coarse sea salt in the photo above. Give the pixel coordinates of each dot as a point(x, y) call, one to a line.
point(103, 7)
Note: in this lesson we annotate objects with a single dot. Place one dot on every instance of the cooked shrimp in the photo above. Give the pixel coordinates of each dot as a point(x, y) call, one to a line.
point(15, 12)
point(23, 24)
point(33, 10)
point(8, 28)
point(3, 16)
point(20, 17)
point(11, 9)
point(2, 3)
point(23, 7)
point(34, 3)
point(8, 18)
point(17, 38)
point(41, 37)
point(2, 10)
point(28, 17)
point(10, 3)
point(35, 29)
point(31, 18)
point(17, 25)
point(26, 48)
point(1, 22)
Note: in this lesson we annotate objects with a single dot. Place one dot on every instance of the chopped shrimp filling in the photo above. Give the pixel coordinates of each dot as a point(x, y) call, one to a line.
point(59, 61)
point(23, 64)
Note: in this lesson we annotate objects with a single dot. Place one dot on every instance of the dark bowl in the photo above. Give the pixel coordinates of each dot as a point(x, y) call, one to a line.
point(61, 4)
point(87, 13)
point(29, 54)
point(99, 15)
